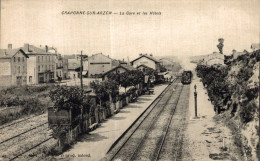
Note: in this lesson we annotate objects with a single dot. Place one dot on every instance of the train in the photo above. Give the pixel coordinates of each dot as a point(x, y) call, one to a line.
point(186, 77)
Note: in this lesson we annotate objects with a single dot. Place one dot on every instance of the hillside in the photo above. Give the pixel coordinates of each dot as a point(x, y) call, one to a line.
point(234, 91)
point(173, 60)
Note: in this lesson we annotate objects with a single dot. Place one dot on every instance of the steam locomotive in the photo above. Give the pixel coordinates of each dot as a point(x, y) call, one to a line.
point(186, 77)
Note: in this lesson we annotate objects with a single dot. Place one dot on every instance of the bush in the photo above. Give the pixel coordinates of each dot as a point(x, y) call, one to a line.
point(68, 98)
point(247, 112)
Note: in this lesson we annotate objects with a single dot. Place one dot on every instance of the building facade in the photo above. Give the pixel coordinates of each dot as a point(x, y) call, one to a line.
point(41, 64)
point(13, 67)
point(148, 60)
point(98, 64)
point(121, 68)
point(59, 66)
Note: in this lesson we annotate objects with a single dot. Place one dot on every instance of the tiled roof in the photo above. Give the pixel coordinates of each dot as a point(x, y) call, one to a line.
point(143, 65)
point(35, 50)
point(126, 67)
point(100, 54)
point(147, 56)
point(9, 53)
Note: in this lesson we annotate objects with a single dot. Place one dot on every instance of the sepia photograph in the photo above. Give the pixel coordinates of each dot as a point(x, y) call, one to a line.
point(129, 80)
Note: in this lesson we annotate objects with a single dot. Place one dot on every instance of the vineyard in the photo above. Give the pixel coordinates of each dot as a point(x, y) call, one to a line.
point(234, 91)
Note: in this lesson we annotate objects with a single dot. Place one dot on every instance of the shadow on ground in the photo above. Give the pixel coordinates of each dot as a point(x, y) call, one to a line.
point(91, 138)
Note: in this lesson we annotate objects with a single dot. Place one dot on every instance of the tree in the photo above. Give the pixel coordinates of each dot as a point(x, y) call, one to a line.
point(111, 87)
point(99, 90)
point(65, 97)
point(220, 45)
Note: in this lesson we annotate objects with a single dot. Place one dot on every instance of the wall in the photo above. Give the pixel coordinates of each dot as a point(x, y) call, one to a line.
point(71, 74)
point(118, 70)
point(45, 62)
point(31, 70)
point(5, 80)
point(5, 67)
point(148, 62)
point(19, 69)
point(99, 64)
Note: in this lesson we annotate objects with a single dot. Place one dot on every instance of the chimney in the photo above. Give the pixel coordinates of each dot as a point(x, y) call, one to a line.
point(140, 54)
point(46, 48)
point(9, 46)
point(26, 47)
point(151, 54)
point(234, 51)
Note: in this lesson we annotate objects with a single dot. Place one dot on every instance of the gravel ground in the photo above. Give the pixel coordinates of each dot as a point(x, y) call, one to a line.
point(19, 144)
point(15, 129)
point(149, 147)
point(172, 147)
point(203, 138)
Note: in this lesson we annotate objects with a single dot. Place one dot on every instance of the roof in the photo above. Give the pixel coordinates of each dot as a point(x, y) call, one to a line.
point(9, 53)
point(126, 67)
point(144, 66)
point(148, 57)
point(36, 50)
point(255, 46)
point(100, 54)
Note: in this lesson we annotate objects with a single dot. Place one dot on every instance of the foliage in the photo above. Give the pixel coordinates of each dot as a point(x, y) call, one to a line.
point(65, 97)
point(24, 100)
point(221, 90)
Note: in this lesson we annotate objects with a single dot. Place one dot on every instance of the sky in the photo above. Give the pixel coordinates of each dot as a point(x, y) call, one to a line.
point(184, 28)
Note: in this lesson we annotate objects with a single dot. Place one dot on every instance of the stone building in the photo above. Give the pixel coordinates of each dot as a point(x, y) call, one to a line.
point(98, 64)
point(13, 67)
point(41, 64)
point(121, 68)
point(148, 60)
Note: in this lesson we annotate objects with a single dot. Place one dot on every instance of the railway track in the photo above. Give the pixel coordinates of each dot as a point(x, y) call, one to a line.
point(20, 121)
point(146, 131)
point(33, 147)
point(22, 143)
point(13, 137)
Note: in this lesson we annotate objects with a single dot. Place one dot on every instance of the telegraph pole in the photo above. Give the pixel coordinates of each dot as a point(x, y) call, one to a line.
point(195, 96)
point(81, 68)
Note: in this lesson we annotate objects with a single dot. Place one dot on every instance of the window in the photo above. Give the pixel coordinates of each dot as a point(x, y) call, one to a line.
point(14, 59)
point(30, 79)
point(23, 69)
point(39, 68)
point(42, 68)
point(23, 59)
point(49, 58)
point(42, 58)
point(46, 67)
point(18, 59)
point(38, 58)
point(19, 69)
point(52, 67)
